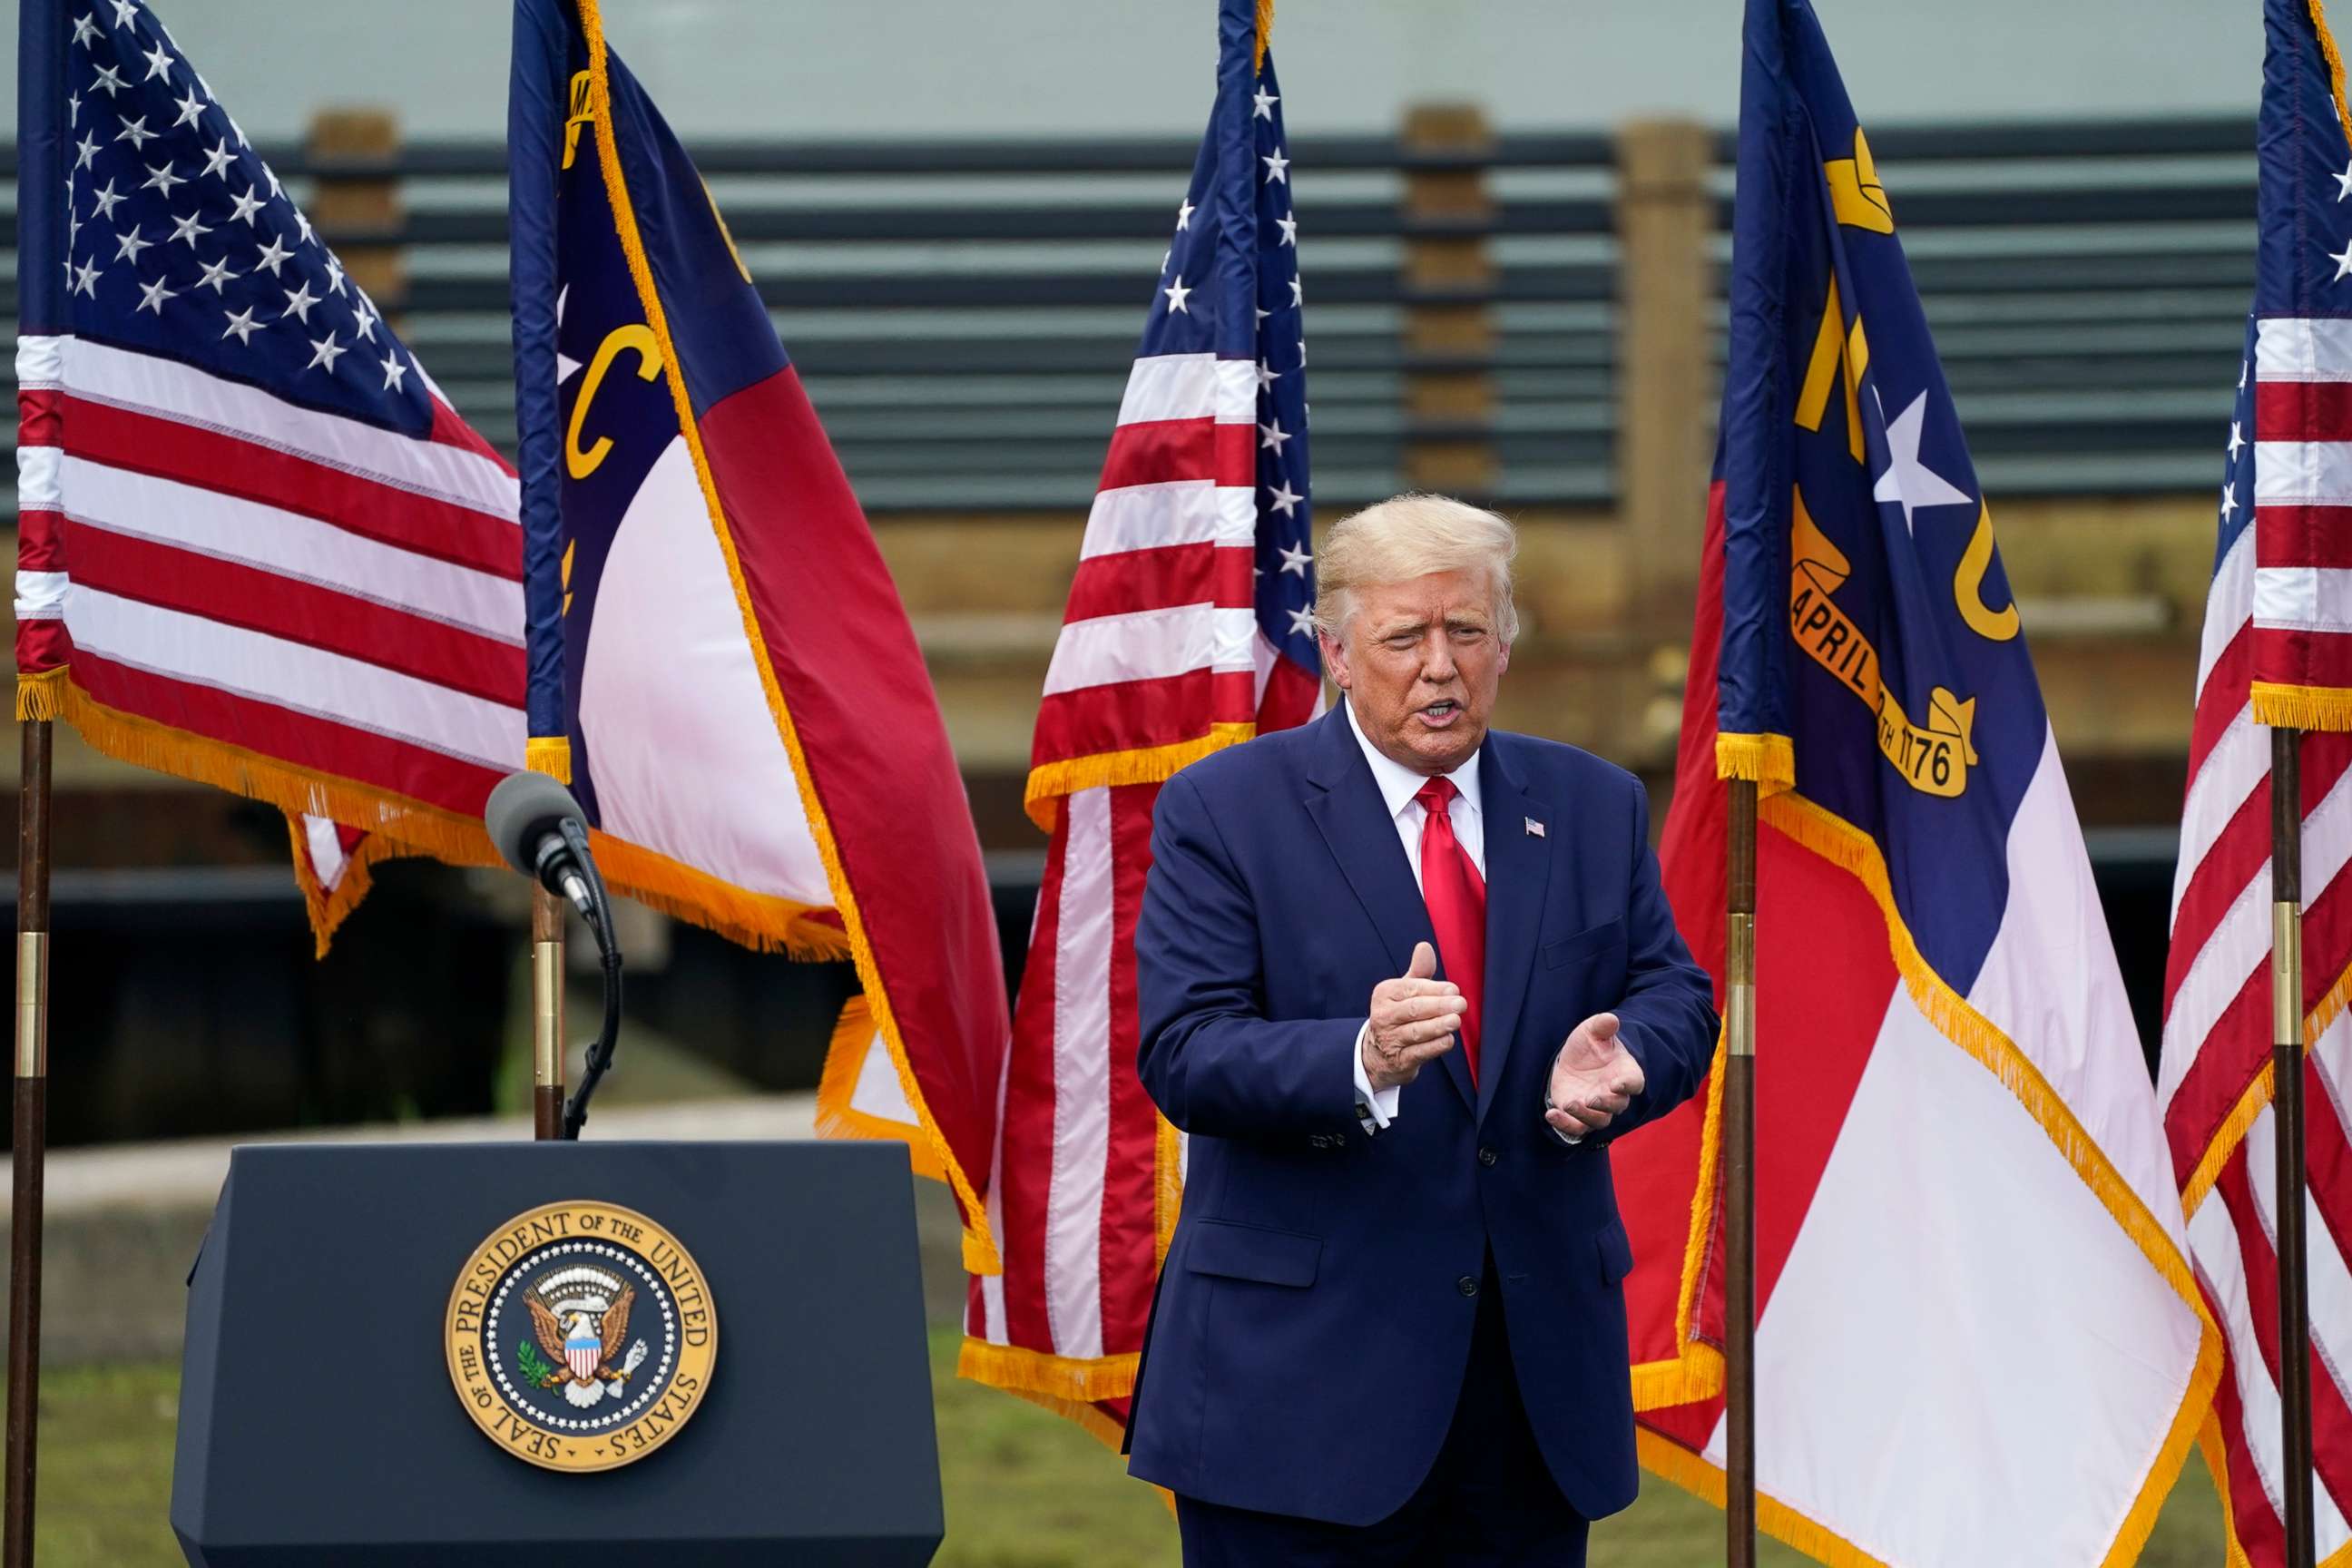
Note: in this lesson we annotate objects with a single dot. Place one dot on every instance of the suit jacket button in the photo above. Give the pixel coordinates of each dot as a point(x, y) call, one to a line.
point(1467, 1285)
point(1488, 1156)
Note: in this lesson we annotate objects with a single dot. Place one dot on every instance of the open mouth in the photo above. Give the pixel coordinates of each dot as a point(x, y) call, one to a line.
point(1439, 715)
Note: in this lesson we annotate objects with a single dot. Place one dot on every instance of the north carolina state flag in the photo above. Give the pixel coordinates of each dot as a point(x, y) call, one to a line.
point(719, 662)
point(1978, 1339)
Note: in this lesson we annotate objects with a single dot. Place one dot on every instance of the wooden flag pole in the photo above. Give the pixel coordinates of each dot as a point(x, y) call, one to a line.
point(546, 1014)
point(31, 1132)
point(2286, 1072)
point(1740, 1180)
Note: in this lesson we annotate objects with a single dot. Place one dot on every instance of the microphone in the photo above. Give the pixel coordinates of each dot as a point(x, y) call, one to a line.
point(540, 831)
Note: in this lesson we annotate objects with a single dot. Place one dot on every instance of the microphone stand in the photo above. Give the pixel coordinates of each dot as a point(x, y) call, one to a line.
point(599, 916)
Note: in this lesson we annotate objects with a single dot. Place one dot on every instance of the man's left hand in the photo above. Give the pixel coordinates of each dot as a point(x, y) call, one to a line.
point(1593, 1079)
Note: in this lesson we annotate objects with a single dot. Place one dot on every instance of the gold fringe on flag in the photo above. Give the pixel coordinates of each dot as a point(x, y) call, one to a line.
point(1049, 782)
point(1768, 761)
point(327, 910)
point(2335, 70)
point(1019, 1370)
point(2302, 707)
point(548, 755)
point(40, 695)
point(837, 1115)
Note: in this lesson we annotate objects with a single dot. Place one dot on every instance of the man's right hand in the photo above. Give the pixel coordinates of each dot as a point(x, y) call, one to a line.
point(1414, 1019)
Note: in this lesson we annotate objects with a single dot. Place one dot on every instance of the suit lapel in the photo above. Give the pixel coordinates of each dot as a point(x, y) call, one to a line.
point(1519, 871)
point(1346, 806)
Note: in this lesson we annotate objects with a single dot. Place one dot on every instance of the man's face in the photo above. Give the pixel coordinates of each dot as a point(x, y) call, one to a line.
point(1421, 660)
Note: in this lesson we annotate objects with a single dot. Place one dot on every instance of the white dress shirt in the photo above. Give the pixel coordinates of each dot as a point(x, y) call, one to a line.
point(1397, 787)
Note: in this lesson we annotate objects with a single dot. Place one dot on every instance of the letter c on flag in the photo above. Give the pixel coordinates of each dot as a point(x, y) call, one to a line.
point(637, 336)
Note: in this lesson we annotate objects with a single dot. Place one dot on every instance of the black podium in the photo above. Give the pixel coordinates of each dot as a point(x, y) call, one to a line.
point(318, 1418)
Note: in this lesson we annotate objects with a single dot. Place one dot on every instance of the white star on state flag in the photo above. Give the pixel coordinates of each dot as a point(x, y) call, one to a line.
point(1278, 167)
point(1908, 482)
point(1262, 105)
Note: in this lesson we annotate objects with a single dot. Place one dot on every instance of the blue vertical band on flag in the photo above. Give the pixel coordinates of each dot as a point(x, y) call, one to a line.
point(40, 167)
point(2299, 144)
point(544, 65)
point(1749, 453)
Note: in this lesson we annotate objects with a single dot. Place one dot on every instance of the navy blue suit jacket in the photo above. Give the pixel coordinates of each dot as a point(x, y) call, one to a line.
point(1314, 1318)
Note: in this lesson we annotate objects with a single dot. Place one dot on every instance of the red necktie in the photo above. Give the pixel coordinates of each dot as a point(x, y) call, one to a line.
point(1456, 897)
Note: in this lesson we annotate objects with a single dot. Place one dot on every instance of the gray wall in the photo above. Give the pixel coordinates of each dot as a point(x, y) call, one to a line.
point(883, 68)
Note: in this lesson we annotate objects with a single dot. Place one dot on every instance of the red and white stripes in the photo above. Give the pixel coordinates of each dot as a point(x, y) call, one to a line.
point(232, 569)
point(2303, 499)
point(1160, 619)
point(2278, 621)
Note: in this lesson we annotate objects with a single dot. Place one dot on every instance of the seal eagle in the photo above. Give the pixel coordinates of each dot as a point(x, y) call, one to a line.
point(581, 1340)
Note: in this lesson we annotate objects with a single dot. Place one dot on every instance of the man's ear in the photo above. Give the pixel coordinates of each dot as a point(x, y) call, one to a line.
point(1334, 657)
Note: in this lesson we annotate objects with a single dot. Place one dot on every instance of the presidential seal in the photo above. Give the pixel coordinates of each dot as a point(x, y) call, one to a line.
point(581, 1336)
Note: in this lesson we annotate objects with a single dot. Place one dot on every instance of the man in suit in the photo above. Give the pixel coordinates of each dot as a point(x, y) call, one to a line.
point(1401, 979)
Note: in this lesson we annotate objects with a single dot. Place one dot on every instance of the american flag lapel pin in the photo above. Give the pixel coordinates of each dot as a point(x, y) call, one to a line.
point(1535, 828)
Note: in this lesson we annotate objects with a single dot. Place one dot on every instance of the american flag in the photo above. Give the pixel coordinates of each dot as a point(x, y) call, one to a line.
point(2277, 648)
point(257, 547)
point(1189, 627)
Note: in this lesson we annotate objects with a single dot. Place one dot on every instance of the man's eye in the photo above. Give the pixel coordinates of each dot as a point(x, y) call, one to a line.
point(1468, 634)
point(1400, 643)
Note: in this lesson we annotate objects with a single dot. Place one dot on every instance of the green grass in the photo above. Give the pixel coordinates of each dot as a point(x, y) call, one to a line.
point(1024, 1488)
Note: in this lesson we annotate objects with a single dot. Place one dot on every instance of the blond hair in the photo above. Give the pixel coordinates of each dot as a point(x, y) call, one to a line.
point(1411, 536)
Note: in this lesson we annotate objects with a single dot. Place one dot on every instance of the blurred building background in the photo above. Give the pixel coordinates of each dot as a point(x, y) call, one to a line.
point(1512, 222)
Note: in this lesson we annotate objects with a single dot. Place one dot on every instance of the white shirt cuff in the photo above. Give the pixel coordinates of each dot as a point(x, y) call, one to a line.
point(1374, 1108)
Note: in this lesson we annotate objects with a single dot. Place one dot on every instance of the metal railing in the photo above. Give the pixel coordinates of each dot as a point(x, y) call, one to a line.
point(964, 312)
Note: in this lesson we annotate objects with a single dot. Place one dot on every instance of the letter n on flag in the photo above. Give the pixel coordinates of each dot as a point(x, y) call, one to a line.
point(1978, 1339)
